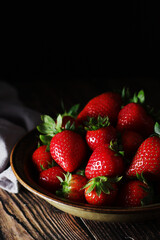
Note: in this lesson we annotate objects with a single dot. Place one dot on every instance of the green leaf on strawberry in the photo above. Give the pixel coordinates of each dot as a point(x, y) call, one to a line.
point(45, 140)
point(47, 119)
point(101, 190)
point(93, 123)
point(81, 172)
point(101, 184)
point(72, 112)
point(138, 97)
point(117, 148)
point(70, 126)
point(147, 188)
point(46, 128)
point(157, 128)
point(50, 127)
point(72, 187)
point(141, 178)
point(141, 96)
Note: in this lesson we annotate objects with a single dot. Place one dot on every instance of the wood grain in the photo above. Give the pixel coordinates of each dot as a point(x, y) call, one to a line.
point(118, 231)
point(26, 216)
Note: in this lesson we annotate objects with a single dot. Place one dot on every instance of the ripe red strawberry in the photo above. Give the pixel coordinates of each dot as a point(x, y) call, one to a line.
point(72, 187)
point(99, 131)
point(50, 127)
point(104, 161)
point(147, 158)
point(134, 117)
point(49, 180)
point(101, 191)
point(105, 104)
point(41, 158)
point(135, 193)
point(131, 140)
point(68, 149)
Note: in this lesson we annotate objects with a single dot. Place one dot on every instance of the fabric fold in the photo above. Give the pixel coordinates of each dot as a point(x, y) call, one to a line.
point(15, 121)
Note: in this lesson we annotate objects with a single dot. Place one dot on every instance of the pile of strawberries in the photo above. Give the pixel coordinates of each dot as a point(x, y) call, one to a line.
point(106, 154)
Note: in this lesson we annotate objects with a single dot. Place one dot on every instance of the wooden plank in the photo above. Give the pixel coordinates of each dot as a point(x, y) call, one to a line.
point(26, 216)
point(120, 231)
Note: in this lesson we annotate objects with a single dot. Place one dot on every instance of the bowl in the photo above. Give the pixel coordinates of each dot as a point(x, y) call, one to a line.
point(22, 166)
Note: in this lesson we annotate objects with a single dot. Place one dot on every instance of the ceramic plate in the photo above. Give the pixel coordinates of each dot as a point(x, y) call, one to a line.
point(23, 169)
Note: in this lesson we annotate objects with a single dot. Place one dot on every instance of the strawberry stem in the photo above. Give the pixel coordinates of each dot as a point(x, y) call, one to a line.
point(65, 184)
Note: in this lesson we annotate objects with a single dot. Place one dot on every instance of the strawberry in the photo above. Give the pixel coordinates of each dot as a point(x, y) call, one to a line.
point(101, 191)
point(133, 116)
point(68, 149)
point(66, 146)
point(131, 140)
point(42, 158)
point(147, 157)
point(48, 178)
point(50, 127)
point(72, 187)
point(105, 104)
point(104, 161)
point(135, 193)
point(99, 131)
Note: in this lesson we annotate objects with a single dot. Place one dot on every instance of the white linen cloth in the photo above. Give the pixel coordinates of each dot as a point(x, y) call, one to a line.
point(15, 121)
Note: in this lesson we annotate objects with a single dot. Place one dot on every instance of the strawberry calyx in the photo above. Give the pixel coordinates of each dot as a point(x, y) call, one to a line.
point(50, 127)
point(147, 188)
point(136, 98)
point(93, 123)
point(65, 183)
point(117, 148)
point(101, 184)
point(141, 178)
point(140, 99)
point(72, 112)
point(69, 116)
point(50, 165)
point(156, 130)
point(81, 172)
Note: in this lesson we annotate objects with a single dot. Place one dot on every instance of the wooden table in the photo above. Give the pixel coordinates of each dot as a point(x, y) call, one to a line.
point(24, 216)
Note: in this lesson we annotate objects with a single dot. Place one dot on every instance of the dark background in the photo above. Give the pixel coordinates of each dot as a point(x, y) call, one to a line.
point(82, 57)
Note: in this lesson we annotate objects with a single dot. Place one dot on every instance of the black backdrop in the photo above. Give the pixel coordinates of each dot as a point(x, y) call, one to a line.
point(105, 50)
